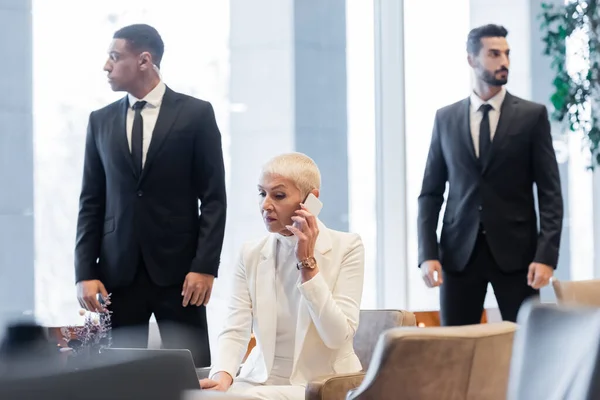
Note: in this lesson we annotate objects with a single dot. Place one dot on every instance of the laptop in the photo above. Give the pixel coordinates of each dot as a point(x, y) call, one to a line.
point(118, 375)
point(183, 357)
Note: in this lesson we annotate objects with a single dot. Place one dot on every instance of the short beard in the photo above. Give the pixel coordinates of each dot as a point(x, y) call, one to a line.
point(491, 80)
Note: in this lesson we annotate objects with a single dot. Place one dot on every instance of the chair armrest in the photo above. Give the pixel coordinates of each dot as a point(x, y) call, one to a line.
point(333, 387)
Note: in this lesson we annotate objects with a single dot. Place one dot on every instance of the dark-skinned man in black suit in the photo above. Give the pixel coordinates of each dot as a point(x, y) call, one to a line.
point(491, 149)
point(149, 158)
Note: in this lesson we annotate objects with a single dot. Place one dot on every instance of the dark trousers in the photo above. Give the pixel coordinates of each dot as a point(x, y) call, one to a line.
point(180, 327)
point(462, 294)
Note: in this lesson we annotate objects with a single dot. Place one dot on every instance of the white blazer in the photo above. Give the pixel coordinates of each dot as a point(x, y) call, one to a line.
point(327, 316)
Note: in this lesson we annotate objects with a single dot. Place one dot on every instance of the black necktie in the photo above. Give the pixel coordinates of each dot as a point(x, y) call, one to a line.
point(137, 137)
point(485, 135)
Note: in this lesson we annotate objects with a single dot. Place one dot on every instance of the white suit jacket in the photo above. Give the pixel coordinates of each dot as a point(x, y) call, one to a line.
point(327, 316)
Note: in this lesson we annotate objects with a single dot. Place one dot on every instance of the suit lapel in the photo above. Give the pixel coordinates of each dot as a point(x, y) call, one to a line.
point(464, 127)
point(266, 300)
point(120, 130)
point(508, 113)
point(167, 115)
point(322, 250)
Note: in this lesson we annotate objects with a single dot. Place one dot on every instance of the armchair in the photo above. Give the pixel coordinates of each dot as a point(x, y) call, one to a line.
point(464, 362)
point(372, 324)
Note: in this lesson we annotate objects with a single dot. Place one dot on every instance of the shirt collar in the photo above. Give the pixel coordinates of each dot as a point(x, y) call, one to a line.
point(287, 241)
point(495, 102)
point(154, 98)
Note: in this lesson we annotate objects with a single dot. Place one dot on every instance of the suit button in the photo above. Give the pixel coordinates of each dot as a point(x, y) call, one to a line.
point(140, 193)
point(483, 232)
point(480, 208)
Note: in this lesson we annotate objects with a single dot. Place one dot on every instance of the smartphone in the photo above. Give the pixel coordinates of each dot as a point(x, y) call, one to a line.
point(313, 204)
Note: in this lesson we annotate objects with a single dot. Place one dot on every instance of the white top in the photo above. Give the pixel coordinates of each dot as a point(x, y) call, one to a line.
point(149, 116)
point(288, 302)
point(476, 115)
point(327, 315)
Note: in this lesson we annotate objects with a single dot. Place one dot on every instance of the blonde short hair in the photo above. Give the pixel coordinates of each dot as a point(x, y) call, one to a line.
point(297, 167)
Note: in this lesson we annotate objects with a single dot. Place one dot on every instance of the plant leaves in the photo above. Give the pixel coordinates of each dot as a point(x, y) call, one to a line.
point(574, 93)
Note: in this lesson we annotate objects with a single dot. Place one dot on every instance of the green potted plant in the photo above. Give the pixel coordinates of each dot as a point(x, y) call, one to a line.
point(576, 97)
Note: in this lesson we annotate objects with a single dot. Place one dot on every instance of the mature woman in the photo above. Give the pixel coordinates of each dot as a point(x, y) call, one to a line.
point(298, 289)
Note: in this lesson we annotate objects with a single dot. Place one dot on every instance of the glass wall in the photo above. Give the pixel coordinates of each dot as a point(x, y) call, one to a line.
point(436, 75)
point(361, 135)
point(70, 42)
point(71, 39)
point(580, 188)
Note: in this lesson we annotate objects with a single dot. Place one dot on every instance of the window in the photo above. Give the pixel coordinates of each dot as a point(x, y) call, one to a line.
point(361, 136)
point(70, 43)
point(436, 75)
point(580, 180)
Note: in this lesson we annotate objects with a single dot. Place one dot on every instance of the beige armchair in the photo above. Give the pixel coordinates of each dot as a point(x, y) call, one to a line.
point(445, 363)
point(584, 293)
point(371, 325)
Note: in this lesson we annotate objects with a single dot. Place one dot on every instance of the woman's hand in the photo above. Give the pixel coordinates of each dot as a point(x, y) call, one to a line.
point(220, 382)
point(306, 230)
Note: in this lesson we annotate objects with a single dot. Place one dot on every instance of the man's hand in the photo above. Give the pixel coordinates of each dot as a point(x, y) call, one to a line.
point(86, 294)
point(432, 273)
point(197, 289)
point(221, 382)
point(539, 275)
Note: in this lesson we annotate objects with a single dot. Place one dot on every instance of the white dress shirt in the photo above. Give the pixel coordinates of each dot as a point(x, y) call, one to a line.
point(288, 302)
point(476, 115)
point(149, 116)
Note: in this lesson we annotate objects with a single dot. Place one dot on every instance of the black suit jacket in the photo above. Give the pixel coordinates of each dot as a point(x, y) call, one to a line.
point(122, 216)
point(498, 194)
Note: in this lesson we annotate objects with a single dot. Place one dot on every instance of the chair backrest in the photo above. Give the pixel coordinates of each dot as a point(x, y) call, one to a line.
point(584, 293)
point(372, 323)
point(458, 363)
point(555, 355)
